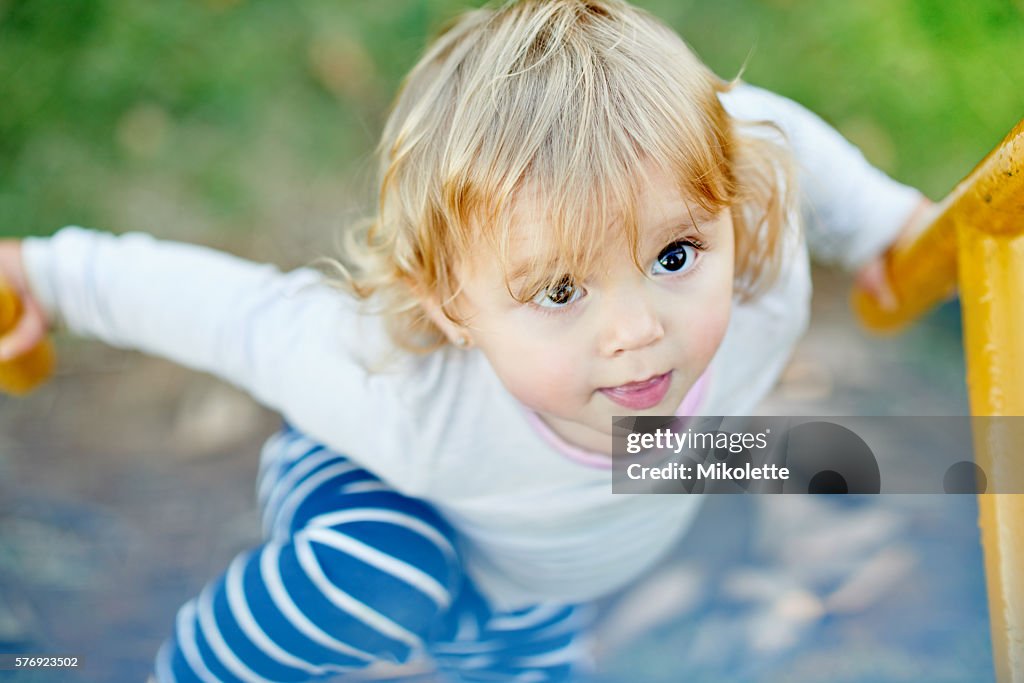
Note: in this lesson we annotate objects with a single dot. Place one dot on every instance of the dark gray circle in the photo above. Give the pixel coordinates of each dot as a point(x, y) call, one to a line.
point(828, 481)
point(825, 457)
point(965, 477)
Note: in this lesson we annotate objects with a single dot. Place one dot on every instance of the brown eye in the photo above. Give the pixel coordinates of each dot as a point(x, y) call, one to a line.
point(558, 295)
point(562, 292)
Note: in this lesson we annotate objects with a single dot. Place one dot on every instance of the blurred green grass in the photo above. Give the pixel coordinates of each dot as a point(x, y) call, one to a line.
point(227, 117)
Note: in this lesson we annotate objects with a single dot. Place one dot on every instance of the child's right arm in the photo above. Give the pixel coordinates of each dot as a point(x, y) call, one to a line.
point(288, 339)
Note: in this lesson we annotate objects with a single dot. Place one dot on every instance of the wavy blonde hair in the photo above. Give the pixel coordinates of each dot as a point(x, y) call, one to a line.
point(572, 97)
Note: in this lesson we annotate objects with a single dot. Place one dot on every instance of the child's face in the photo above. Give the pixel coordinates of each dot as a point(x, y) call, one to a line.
point(577, 354)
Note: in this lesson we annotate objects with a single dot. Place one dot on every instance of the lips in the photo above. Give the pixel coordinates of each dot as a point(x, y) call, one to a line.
point(640, 395)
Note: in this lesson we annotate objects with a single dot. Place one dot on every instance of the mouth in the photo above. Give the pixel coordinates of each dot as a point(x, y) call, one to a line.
point(640, 395)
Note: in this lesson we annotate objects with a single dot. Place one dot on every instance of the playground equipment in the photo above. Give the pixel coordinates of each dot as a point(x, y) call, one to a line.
point(977, 244)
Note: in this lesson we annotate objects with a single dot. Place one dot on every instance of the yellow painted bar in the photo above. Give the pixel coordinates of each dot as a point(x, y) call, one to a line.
point(992, 300)
point(978, 241)
point(924, 273)
point(990, 233)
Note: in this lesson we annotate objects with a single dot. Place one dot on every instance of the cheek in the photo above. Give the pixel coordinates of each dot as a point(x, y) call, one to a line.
point(706, 310)
point(709, 333)
point(542, 376)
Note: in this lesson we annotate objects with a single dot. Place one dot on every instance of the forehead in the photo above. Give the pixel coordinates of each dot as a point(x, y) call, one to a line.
point(536, 234)
point(656, 193)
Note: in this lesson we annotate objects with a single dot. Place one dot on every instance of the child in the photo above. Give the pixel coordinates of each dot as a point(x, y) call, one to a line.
point(577, 220)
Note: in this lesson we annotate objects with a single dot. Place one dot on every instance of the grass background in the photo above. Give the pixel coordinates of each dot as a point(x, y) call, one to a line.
point(220, 119)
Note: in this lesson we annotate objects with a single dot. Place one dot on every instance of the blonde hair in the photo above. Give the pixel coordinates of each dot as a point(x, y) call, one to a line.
point(572, 97)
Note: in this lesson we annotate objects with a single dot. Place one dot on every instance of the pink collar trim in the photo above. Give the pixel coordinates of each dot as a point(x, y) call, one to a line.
point(691, 402)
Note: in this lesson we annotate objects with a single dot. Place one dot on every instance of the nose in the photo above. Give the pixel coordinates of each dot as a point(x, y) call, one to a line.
point(631, 323)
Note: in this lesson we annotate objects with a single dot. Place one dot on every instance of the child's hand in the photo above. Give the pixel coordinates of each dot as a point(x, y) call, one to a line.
point(873, 276)
point(32, 326)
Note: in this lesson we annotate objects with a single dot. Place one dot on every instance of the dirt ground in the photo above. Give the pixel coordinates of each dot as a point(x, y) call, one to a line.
point(127, 483)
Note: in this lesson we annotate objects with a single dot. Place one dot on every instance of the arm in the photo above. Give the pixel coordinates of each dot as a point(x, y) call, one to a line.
point(289, 340)
point(853, 211)
point(200, 308)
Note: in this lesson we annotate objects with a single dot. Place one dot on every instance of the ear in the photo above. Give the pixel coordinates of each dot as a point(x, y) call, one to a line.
point(457, 334)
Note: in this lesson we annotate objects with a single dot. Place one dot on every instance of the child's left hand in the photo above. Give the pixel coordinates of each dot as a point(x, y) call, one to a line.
point(31, 329)
point(872, 276)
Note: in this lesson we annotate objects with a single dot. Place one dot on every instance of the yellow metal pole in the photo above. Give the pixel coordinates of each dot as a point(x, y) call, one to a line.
point(924, 273)
point(991, 267)
point(978, 241)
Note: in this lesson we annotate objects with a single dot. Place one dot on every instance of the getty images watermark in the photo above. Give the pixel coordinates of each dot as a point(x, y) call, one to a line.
point(665, 440)
point(818, 455)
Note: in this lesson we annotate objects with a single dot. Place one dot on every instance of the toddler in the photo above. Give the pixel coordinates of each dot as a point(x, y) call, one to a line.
point(576, 220)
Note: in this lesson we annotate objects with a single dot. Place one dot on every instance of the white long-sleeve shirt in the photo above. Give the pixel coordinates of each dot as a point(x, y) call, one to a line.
point(538, 525)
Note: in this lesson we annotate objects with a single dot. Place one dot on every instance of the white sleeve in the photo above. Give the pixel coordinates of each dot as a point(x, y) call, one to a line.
point(853, 211)
point(288, 339)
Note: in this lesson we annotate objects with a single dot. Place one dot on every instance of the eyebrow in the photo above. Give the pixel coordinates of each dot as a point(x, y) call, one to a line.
point(690, 220)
